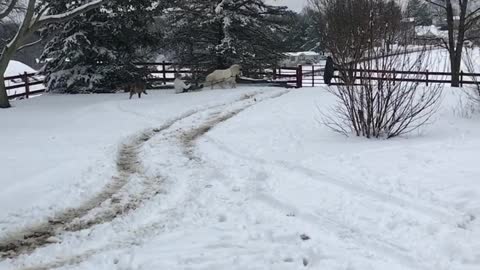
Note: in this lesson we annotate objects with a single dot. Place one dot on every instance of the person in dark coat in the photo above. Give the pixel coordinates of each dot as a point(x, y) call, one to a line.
point(329, 70)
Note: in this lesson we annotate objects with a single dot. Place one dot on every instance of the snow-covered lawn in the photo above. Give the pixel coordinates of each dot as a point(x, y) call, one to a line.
point(233, 179)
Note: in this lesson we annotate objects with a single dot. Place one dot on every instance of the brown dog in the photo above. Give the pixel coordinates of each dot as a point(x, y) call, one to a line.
point(134, 88)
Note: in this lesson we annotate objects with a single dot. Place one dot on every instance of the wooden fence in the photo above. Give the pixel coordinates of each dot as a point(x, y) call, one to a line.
point(31, 84)
point(164, 72)
point(25, 84)
point(160, 74)
point(427, 77)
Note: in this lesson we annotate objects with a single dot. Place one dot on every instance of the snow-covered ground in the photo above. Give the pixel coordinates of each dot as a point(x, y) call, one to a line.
point(232, 179)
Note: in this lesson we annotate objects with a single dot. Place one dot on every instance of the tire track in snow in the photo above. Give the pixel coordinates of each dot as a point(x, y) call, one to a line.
point(328, 224)
point(128, 164)
point(43, 234)
point(109, 206)
point(187, 142)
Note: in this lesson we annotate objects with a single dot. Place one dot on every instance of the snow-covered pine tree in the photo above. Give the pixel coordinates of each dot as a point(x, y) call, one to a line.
point(213, 34)
point(96, 51)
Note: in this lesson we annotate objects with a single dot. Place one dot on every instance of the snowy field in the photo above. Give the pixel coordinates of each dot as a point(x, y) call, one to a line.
point(232, 179)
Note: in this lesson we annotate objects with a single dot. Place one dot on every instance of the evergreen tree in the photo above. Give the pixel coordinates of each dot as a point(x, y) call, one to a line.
point(421, 11)
point(296, 35)
point(96, 51)
point(315, 28)
point(304, 30)
point(212, 34)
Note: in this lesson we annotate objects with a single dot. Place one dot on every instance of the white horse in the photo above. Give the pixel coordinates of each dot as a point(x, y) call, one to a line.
point(224, 76)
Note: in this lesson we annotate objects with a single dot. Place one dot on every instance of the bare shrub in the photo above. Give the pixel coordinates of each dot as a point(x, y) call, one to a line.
point(470, 61)
point(376, 104)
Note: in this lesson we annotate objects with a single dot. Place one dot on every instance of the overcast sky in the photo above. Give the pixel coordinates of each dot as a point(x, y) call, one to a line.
point(296, 5)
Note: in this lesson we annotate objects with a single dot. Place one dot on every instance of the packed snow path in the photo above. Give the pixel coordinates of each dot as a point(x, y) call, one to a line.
point(255, 182)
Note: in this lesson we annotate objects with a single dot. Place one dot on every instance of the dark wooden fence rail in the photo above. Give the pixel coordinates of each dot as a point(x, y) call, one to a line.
point(427, 77)
point(162, 72)
point(27, 80)
point(297, 76)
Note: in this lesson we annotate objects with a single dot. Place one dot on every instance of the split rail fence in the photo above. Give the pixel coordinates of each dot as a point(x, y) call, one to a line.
point(24, 85)
point(30, 84)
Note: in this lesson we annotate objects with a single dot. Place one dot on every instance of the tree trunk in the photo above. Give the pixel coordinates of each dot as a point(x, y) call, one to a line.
point(5, 57)
point(4, 60)
point(457, 58)
point(4, 103)
point(455, 66)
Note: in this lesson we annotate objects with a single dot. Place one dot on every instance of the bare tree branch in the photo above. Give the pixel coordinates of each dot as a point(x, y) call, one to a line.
point(63, 17)
point(374, 101)
point(8, 10)
point(29, 44)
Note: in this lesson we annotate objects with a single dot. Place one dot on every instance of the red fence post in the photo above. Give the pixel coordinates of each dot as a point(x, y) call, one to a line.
point(274, 73)
point(299, 76)
point(27, 85)
point(164, 73)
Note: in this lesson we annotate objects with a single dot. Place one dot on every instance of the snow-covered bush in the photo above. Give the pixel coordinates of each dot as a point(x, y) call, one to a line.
point(472, 64)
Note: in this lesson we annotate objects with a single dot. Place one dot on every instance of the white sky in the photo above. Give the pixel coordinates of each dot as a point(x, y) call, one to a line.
point(296, 5)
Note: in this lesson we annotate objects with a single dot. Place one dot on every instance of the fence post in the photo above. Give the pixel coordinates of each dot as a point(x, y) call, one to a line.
point(274, 73)
point(27, 85)
point(164, 73)
point(299, 76)
point(461, 78)
point(427, 77)
point(313, 76)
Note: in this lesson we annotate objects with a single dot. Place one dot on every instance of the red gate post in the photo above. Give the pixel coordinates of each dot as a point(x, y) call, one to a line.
point(299, 76)
point(27, 85)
